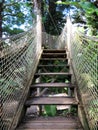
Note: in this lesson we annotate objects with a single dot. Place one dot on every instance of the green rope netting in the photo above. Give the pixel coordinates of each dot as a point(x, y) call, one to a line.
point(18, 55)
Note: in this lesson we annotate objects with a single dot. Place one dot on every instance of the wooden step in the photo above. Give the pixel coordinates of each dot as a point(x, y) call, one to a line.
point(51, 100)
point(51, 85)
point(49, 123)
point(54, 68)
point(60, 75)
point(53, 74)
point(53, 59)
point(47, 128)
point(44, 66)
point(54, 55)
point(54, 51)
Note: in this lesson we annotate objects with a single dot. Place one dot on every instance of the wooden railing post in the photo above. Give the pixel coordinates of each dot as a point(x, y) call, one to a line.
point(37, 8)
point(69, 29)
point(38, 36)
point(69, 53)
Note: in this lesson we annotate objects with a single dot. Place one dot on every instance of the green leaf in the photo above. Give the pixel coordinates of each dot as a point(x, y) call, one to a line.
point(50, 110)
point(69, 3)
point(87, 6)
point(20, 14)
point(66, 81)
point(96, 10)
point(43, 19)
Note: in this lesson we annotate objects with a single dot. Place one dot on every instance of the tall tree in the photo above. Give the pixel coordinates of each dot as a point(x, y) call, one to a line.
point(88, 9)
point(1, 17)
point(12, 15)
point(53, 18)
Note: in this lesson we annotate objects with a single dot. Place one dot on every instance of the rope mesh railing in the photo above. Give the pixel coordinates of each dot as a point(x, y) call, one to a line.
point(85, 63)
point(49, 41)
point(19, 56)
point(52, 41)
point(84, 58)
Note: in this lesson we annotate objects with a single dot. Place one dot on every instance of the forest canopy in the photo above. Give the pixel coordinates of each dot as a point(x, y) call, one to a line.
point(17, 16)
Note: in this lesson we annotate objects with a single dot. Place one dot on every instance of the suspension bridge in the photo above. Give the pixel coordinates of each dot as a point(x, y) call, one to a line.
point(23, 59)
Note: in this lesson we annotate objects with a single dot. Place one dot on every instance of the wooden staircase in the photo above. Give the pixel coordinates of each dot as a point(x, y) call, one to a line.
point(52, 60)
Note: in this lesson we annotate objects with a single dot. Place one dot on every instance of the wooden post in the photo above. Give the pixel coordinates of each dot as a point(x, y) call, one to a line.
point(38, 80)
point(69, 54)
point(68, 33)
point(1, 108)
point(69, 47)
point(37, 8)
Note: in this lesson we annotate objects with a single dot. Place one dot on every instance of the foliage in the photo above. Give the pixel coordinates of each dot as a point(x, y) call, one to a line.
point(6, 29)
point(52, 23)
point(13, 15)
point(50, 110)
point(89, 9)
point(93, 111)
point(7, 87)
point(53, 17)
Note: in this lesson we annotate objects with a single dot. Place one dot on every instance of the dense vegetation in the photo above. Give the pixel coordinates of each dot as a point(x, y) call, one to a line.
point(16, 15)
point(13, 15)
point(85, 12)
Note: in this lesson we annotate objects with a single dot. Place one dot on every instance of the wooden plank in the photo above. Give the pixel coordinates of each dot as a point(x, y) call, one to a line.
point(54, 55)
point(48, 121)
point(54, 51)
point(51, 125)
point(53, 59)
point(54, 73)
point(45, 125)
point(56, 85)
point(47, 129)
point(53, 66)
point(51, 100)
point(53, 119)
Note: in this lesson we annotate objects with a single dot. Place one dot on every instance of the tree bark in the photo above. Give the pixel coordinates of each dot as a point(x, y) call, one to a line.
point(0, 21)
point(37, 4)
point(1, 17)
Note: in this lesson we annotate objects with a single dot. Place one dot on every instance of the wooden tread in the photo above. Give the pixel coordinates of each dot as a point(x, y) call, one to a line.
point(54, 55)
point(52, 74)
point(51, 101)
point(54, 51)
point(56, 85)
point(47, 128)
point(53, 66)
point(52, 59)
point(49, 123)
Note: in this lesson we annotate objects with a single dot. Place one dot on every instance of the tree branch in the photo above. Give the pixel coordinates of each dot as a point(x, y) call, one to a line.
point(9, 15)
point(10, 4)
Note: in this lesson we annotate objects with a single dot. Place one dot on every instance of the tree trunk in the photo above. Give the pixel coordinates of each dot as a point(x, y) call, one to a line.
point(37, 4)
point(1, 17)
point(0, 21)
